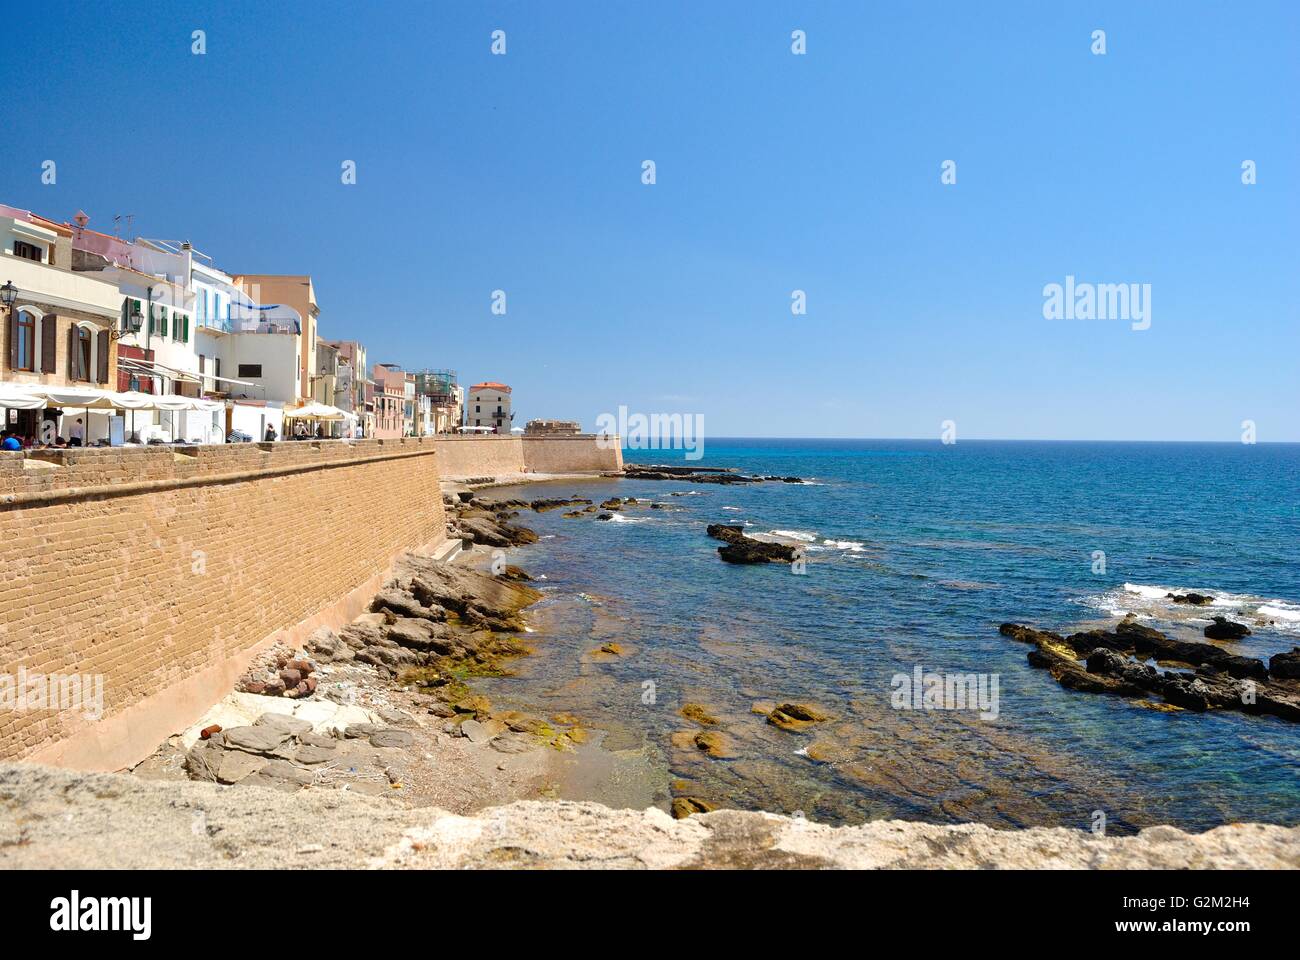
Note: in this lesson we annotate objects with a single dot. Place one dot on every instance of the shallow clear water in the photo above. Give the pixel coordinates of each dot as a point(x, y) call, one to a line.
point(916, 552)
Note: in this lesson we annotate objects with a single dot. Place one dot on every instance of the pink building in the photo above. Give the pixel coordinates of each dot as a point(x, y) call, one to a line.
point(390, 395)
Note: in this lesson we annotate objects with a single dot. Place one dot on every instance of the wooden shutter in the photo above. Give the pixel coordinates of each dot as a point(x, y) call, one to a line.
point(101, 342)
point(49, 342)
point(13, 338)
point(72, 352)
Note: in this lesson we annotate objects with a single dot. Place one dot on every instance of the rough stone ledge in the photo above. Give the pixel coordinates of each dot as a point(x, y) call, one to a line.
point(60, 818)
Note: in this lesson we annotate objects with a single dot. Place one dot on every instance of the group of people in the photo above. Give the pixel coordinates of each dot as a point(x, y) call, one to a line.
point(13, 440)
point(300, 432)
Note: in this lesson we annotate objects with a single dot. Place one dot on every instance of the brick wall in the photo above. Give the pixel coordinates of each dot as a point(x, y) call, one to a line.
point(468, 456)
point(582, 454)
point(164, 569)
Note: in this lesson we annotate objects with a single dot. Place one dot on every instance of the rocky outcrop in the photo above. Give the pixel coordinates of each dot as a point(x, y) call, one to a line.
point(479, 520)
point(1115, 662)
point(554, 503)
point(53, 818)
point(742, 549)
point(1194, 599)
point(281, 752)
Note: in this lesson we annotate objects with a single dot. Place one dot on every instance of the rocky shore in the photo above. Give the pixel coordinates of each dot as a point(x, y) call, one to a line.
point(384, 706)
point(1138, 662)
point(379, 724)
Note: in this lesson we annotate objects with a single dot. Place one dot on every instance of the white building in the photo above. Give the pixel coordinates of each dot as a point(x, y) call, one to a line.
point(158, 356)
point(489, 406)
point(250, 355)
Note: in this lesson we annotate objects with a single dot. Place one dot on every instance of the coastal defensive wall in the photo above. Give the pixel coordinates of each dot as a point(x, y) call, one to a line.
point(165, 570)
point(466, 457)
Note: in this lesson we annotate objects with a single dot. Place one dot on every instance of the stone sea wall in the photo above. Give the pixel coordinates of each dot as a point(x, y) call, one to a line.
point(467, 457)
point(164, 570)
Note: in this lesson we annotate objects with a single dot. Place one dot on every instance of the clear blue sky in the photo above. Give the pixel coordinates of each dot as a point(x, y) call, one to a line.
point(775, 172)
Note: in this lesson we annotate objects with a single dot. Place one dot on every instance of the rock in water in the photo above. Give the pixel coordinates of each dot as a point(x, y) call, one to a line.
point(1224, 629)
point(697, 712)
point(795, 716)
point(1285, 666)
point(683, 807)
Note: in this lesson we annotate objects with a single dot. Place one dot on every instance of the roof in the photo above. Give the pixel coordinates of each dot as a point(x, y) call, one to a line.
point(491, 385)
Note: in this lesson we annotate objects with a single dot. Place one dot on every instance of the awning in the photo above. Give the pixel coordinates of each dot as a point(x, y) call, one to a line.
point(17, 399)
point(82, 397)
point(31, 396)
point(317, 411)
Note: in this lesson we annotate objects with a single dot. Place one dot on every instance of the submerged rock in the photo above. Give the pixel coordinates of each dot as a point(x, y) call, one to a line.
point(795, 716)
point(683, 807)
point(696, 712)
point(712, 743)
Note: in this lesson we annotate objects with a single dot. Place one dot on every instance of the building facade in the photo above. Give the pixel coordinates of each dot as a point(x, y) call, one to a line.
point(389, 397)
point(60, 329)
point(296, 292)
point(552, 428)
point(488, 405)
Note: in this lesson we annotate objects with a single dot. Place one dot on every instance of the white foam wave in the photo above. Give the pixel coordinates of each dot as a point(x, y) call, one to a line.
point(794, 535)
point(1152, 602)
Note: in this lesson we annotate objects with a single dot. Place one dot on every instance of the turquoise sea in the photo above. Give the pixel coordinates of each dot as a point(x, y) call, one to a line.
point(917, 551)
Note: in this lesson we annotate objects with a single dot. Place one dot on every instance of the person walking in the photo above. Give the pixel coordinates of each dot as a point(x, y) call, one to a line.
point(77, 434)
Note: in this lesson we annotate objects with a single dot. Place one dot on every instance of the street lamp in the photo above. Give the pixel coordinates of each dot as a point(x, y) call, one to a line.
point(133, 322)
point(8, 294)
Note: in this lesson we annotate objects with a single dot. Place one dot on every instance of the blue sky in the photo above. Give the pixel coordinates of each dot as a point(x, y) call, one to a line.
point(775, 172)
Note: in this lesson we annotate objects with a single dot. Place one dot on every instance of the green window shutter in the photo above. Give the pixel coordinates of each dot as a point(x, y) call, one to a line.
point(187, 328)
point(164, 321)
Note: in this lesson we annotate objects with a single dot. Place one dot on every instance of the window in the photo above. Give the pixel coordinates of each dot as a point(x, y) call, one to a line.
point(250, 369)
point(163, 329)
point(28, 251)
point(26, 347)
point(183, 325)
point(83, 354)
